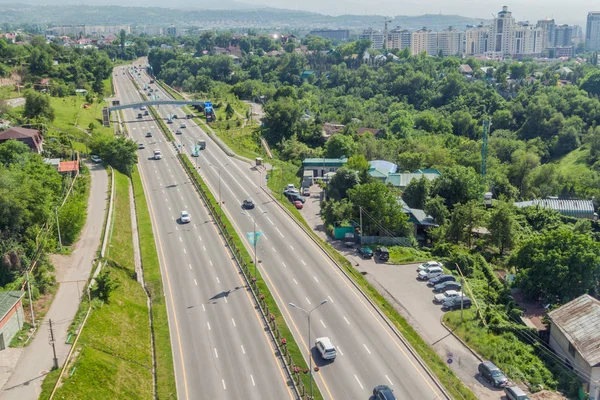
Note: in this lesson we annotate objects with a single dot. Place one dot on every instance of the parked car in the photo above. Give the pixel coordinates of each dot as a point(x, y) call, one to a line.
point(185, 217)
point(382, 254)
point(298, 205)
point(441, 279)
point(365, 252)
point(149, 134)
point(290, 186)
point(515, 393)
point(248, 204)
point(429, 273)
point(146, 112)
point(296, 197)
point(96, 159)
point(428, 264)
point(450, 285)
point(492, 374)
point(289, 192)
point(326, 348)
point(455, 302)
point(305, 191)
point(383, 392)
point(447, 295)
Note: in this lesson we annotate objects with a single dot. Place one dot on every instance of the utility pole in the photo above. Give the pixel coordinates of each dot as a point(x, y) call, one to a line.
point(255, 258)
point(58, 227)
point(361, 229)
point(30, 299)
point(462, 297)
point(55, 359)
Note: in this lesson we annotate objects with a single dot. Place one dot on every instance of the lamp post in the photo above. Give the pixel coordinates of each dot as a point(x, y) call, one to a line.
point(309, 343)
point(220, 204)
point(255, 240)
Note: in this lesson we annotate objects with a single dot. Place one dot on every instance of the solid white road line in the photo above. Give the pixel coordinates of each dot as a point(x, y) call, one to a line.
point(303, 262)
point(204, 247)
point(203, 308)
point(216, 354)
point(224, 387)
point(195, 282)
point(308, 300)
point(207, 323)
point(330, 299)
point(217, 278)
point(368, 351)
point(184, 251)
point(292, 247)
point(295, 281)
point(316, 279)
point(190, 265)
point(243, 350)
point(210, 262)
point(180, 239)
point(389, 380)
point(251, 377)
point(284, 266)
point(273, 248)
point(323, 323)
point(346, 319)
point(233, 321)
point(225, 300)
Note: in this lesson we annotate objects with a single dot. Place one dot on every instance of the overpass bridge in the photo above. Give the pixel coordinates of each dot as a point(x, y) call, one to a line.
point(116, 106)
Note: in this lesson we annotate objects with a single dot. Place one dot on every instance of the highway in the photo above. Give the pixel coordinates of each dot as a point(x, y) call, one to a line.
point(220, 345)
point(297, 271)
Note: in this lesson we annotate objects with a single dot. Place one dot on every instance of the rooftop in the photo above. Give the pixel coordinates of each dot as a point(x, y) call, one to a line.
point(579, 321)
point(68, 166)
point(8, 301)
point(573, 208)
point(324, 162)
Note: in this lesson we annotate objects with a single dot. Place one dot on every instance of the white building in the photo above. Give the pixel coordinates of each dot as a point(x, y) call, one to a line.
point(399, 39)
point(575, 335)
point(376, 38)
point(527, 40)
point(451, 42)
point(592, 31)
point(502, 27)
point(476, 40)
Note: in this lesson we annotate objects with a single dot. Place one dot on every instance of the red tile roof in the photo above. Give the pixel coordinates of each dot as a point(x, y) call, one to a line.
point(68, 166)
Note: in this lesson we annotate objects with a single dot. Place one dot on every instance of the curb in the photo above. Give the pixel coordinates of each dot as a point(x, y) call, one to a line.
point(460, 340)
point(367, 298)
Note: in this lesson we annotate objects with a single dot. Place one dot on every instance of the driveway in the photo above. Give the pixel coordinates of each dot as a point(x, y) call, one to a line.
point(414, 301)
point(35, 361)
point(16, 102)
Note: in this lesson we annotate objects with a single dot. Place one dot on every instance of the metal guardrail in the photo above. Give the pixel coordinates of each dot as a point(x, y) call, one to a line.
point(157, 103)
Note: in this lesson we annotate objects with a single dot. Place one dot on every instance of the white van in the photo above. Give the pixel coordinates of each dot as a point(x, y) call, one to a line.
point(326, 348)
point(430, 273)
point(157, 155)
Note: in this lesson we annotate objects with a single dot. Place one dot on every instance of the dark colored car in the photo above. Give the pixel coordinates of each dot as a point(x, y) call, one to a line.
point(382, 254)
point(492, 374)
point(248, 204)
point(296, 197)
point(454, 303)
point(149, 134)
point(383, 392)
point(441, 279)
point(365, 252)
point(450, 285)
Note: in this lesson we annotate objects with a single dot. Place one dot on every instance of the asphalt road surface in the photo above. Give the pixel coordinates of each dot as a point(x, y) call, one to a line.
point(220, 346)
point(297, 271)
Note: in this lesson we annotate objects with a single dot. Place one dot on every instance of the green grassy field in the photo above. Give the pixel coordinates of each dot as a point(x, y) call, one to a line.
point(115, 359)
point(8, 92)
point(574, 165)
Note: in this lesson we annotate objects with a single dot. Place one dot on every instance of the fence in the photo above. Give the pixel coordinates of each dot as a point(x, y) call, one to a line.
point(386, 240)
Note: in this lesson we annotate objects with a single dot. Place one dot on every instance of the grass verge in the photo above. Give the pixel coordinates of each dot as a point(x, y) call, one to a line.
point(165, 374)
point(113, 358)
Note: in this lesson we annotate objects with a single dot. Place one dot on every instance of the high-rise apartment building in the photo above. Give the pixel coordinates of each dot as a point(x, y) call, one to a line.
point(334, 34)
point(399, 38)
point(476, 40)
point(376, 38)
point(450, 42)
point(549, 28)
point(424, 40)
point(592, 31)
point(527, 40)
point(563, 36)
point(501, 36)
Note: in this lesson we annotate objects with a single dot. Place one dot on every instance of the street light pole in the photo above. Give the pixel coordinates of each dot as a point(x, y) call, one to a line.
point(220, 203)
point(309, 344)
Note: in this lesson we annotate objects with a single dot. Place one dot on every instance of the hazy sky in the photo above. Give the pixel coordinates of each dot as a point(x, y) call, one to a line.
point(570, 11)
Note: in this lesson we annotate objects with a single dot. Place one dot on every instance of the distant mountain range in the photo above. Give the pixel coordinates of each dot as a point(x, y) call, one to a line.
point(230, 15)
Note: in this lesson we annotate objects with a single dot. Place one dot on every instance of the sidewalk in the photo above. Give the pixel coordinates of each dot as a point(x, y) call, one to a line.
point(413, 300)
point(26, 372)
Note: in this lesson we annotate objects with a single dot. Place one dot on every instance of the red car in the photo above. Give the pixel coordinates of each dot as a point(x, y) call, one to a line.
point(298, 204)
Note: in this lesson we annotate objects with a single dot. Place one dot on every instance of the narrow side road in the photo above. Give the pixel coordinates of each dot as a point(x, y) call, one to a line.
point(36, 360)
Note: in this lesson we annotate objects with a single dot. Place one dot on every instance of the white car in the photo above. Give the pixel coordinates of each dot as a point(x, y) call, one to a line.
point(305, 191)
point(447, 295)
point(326, 348)
point(429, 264)
point(185, 217)
point(429, 273)
point(96, 159)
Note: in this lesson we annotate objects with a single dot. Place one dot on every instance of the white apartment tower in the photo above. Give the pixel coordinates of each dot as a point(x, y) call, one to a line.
point(528, 40)
point(399, 38)
point(592, 31)
point(450, 42)
point(476, 40)
point(376, 38)
point(502, 27)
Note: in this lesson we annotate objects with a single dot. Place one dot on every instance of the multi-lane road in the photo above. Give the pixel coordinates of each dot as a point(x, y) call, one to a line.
point(220, 346)
point(297, 271)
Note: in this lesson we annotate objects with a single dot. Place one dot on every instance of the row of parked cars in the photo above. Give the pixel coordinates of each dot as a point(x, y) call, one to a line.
point(448, 293)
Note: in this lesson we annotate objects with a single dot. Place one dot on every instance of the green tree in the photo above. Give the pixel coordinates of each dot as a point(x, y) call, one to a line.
point(229, 111)
point(359, 163)
point(122, 36)
point(334, 210)
point(436, 207)
point(343, 180)
point(465, 218)
point(382, 214)
point(558, 265)
point(40, 62)
point(105, 285)
point(281, 118)
point(37, 105)
point(120, 153)
point(457, 185)
point(591, 83)
point(402, 123)
point(340, 146)
point(503, 225)
point(416, 193)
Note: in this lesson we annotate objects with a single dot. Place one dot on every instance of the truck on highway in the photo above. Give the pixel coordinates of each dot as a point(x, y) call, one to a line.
point(157, 155)
point(202, 144)
point(169, 120)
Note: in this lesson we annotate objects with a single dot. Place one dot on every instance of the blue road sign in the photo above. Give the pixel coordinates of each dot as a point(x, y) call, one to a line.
point(252, 239)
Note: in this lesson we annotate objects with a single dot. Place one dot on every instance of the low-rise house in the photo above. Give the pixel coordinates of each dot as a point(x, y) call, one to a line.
point(374, 131)
point(575, 337)
point(380, 169)
point(11, 316)
point(319, 167)
point(572, 208)
point(401, 180)
point(31, 137)
point(465, 69)
point(330, 129)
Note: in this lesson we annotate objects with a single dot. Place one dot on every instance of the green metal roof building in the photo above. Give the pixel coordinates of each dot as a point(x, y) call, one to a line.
point(319, 167)
point(11, 316)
